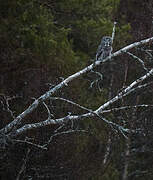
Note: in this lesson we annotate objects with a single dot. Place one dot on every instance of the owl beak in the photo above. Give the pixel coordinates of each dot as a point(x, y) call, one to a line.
point(107, 44)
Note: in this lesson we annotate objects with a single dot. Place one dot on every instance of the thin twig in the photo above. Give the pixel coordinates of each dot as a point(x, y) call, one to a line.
point(71, 102)
point(23, 167)
point(64, 133)
point(139, 60)
point(126, 107)
point(30, 143)
point(49, 113)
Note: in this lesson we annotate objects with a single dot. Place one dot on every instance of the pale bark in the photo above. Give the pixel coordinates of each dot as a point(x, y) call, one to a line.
point(126, 161)
point(13, 126)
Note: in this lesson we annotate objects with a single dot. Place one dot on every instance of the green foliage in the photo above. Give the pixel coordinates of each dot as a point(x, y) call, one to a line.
point(122, 36)
point(27, 25)
point(88, 20)
point(64, 36)
point(28, 29)
point(112, 174)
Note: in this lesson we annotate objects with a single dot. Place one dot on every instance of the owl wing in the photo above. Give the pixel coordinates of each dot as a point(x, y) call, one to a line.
point(102, 53)
point(99, 52)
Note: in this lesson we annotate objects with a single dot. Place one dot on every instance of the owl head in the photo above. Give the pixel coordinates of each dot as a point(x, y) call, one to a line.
point(106, 41)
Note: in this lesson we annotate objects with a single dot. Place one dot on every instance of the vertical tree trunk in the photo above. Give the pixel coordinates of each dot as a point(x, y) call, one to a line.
point(126, 162)
point(107, 153)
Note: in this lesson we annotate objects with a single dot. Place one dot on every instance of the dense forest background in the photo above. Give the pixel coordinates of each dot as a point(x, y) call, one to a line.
point(45, 41)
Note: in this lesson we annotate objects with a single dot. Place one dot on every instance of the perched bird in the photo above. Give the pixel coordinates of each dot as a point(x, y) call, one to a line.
point(104, 49)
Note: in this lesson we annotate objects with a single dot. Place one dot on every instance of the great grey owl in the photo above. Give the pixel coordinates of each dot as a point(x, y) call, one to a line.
point(104, 49)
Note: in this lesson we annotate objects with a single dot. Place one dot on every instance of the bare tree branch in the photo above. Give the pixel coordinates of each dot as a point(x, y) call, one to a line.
point(64, 133)
point(65, 82)
point(30, 143)
point(91, 113)
point(124, 92)
point(139, 60)
point(23, 167)
point(71, 102)
point(113, 33)
point(49, 113)
point(126, 107)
